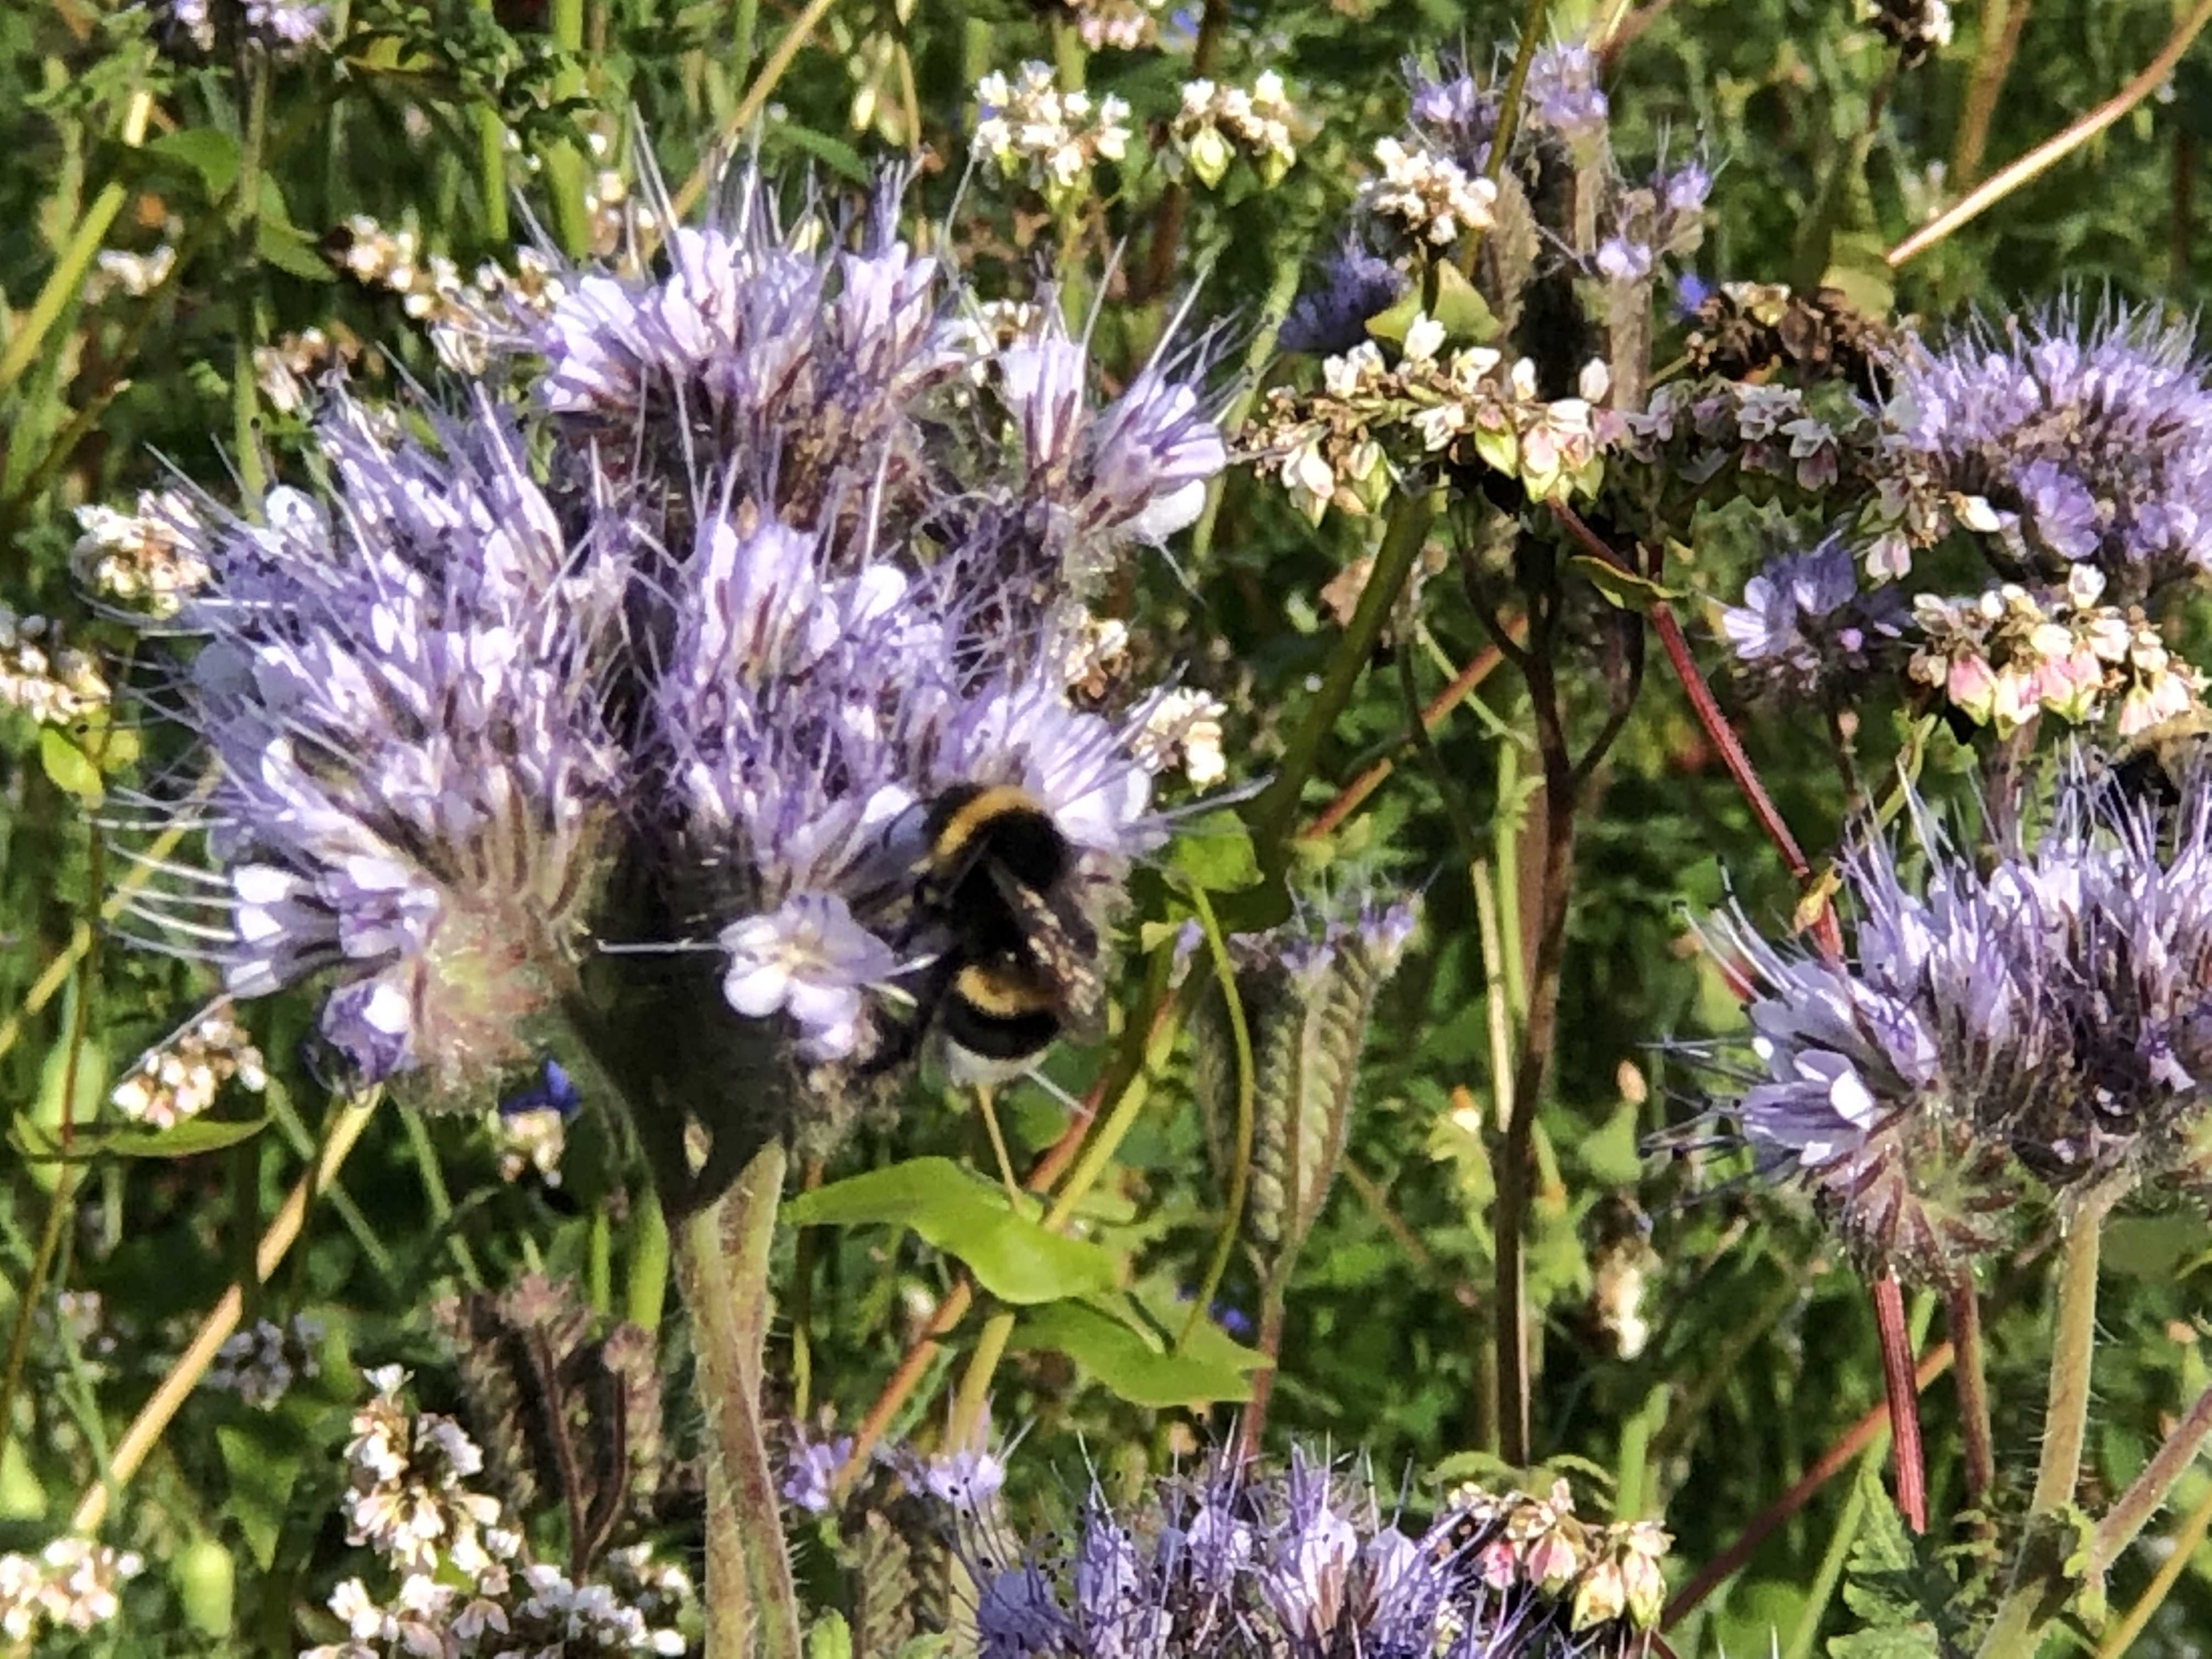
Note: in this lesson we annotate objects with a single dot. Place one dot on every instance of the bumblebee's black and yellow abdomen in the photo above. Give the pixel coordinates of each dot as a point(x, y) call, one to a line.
point(1001, 1010)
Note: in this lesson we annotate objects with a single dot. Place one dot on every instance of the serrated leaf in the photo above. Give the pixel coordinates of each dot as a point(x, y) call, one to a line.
point(1133, 1367)
point(213, 156)
point(38, 1144)
point(830, 1637)
point(1623, 589)
point(69, 768)
point(1215, 853)
point(1904, 1600)
point(1012, 1257)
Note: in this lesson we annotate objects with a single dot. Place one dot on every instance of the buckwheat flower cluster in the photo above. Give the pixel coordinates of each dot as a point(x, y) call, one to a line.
point(468, 316)
point(1806, 630)
point(180, 1080)
point(288, 369)
point(1426, 195)
point(2001, 657)
point(1217, 124)
point(417, 782)
point(465, 1586)
point(144, 559)
point(260, 1365)
point(1125, 25)
point(134, 275)
point(1349, 444)
point(1304, 1562)
point(1036, 134)
point(2044, 1018)
point(68, 1586)
point(54, 684)
point(2060, 443)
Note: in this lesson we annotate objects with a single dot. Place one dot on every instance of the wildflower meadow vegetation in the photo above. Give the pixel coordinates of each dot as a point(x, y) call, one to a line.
point(872, 829)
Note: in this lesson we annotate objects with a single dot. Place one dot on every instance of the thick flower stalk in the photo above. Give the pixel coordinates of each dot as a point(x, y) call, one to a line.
point(415, 783)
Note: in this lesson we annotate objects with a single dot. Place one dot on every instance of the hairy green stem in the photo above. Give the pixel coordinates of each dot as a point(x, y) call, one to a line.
point(971, 1404)
point(2146, 1495)
point(751, 1604)
point(246, 398)
point(1275, 809)
point(1240, 1169)
point(1963, 1314)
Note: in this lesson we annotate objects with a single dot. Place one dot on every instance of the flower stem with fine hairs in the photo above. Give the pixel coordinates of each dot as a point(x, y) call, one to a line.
point(2039, 1578)
point(752, 1605)
point(2149, 1490)
point(2181, 1555)
point(1963, 1314)
point(1240, 1169)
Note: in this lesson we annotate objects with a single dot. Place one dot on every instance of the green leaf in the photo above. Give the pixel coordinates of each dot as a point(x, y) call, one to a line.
point(284, 245)
point(1012, 1257)
point(261, 1457)
point(70, 769)
point(1623, 589)
point(839, 156)
point(1461, 309)
point(830, 1637)
point(40, 1144)
point(213, 156)
point(1136, 1368)
point(1903, 1599)
point(1215, 853)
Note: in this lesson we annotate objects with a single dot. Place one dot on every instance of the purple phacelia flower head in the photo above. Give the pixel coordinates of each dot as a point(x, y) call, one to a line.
point(1805, 629)
point(810, 1470)
point(1331, 315)
point(417, 784)
point(2066, 442)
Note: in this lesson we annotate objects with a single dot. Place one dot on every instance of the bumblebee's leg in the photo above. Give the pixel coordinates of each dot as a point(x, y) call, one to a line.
point(904, 1041)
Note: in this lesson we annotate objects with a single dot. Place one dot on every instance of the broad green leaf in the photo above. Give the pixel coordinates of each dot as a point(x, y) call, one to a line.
point(1011, 1255)
point(1133, 1367)
point(40, 1144)
point(69, 768)
point(261, 1457)
point(212, 154)
point(1215, 853)
point(1623, 589)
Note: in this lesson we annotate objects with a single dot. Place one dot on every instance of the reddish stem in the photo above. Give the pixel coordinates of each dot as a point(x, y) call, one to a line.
point(1834, 1460)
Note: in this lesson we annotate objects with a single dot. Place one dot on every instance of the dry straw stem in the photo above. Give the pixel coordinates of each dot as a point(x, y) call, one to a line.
point(756, 97)
point(2001, 183)
point(344, 1128)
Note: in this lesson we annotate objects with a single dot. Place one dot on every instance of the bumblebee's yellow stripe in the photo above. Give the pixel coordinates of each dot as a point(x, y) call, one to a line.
point(1001, 996)
point(977, 811)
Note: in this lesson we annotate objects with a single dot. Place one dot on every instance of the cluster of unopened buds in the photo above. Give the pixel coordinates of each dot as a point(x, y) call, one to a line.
point(180, 1080)
point(1428, 194)
point(2003, 655)
point(53, 684)
point(467, 1586)
point(1343, 446)
point(68, 1586)
point(144, 559)
point(261, 1364)
point(462, 313)
point(1033, 133)
point(1217, 124)
point(1609, 1573)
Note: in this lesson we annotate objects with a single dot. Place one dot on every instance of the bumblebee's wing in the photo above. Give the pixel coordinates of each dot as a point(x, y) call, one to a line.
point(1062, 944)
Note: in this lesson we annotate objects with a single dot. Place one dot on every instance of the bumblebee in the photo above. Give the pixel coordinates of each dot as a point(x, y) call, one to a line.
point(997, 887)
point(2156, 763)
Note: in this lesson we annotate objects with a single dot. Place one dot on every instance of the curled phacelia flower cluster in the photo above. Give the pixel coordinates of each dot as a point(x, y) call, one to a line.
point(1349, 444)
point(2058, 443)
point(1217, 124)
point(416, 779)
point(180, 1080)
point(68, 1586)
point(1304, 1562)
point(2001, 657)
point(53, 684)
point(1036, 134)
point(1806, 630)
point(2040, 1020)
point(260, 1365)
point(142, 559)
point(465, 1586)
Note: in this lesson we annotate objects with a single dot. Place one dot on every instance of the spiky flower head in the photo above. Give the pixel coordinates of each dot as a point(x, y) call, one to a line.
point(2046, 1019)
point(1310, 1560)
point(2067, 440)
point(398, 687)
